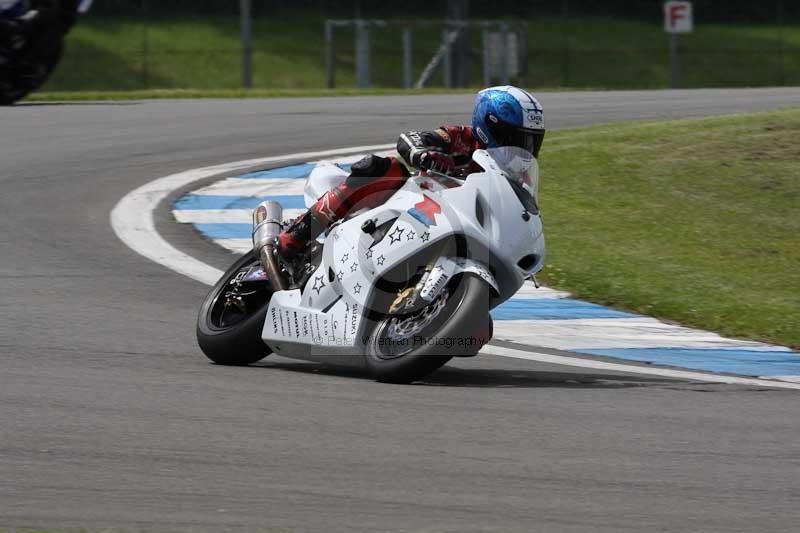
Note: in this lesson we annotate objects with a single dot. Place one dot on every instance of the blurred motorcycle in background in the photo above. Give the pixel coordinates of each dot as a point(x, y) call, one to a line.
point(31, 42)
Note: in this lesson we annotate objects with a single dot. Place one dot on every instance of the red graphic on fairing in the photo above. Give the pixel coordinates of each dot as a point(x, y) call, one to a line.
point(426, 211)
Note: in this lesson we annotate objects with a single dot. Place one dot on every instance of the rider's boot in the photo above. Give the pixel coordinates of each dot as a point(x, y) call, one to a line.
point(294, 240)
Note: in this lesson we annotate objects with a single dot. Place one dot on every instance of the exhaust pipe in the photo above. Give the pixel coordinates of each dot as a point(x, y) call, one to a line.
point(267, 220)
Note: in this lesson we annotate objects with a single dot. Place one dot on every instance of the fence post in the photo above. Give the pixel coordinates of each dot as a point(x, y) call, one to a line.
point(362, 54)
point(145, 47)
point(523, 40)
point(448, 51)
point(330, 56)
point(674, 61)
point(247, 43)
point(487, 69)
point(407, 56)
point(458, 14)
point(504, 53)
point(565, 58)
point(781, 45)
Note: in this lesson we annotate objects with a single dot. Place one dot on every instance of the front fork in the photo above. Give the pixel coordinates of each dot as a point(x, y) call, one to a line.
point(437, 277)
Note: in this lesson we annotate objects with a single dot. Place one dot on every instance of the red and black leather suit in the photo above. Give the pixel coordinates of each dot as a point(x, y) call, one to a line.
point(374, 179)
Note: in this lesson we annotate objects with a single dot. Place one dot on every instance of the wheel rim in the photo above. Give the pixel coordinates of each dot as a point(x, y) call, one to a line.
point(395, 336)
point(236, 301)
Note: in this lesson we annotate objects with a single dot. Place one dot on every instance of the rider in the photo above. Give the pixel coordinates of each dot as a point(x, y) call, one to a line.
point(48, 20)
point(14, 22)
point(503, 116)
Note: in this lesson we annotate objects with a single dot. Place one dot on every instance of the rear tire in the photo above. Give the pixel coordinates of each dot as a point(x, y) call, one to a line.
point(461, 327)
point(236, 340)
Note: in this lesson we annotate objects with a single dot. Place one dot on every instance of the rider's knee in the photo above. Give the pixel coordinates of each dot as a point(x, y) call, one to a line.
point(368, 168)
point(372, 167)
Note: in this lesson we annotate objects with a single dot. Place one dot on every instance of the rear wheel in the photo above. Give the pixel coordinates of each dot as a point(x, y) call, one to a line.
point(232, 315)
point(405, 348)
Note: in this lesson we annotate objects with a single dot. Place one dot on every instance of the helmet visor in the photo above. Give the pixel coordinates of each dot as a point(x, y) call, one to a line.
point(508, 135)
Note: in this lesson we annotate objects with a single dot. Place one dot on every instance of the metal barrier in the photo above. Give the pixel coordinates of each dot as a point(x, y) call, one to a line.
point(504, 50)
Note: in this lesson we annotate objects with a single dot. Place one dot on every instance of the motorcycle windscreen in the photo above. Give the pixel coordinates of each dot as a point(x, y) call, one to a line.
point(521, 169)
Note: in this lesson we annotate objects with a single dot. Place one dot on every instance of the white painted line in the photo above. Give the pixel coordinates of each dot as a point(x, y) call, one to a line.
point(236, 187)
point(600, 333)
point(237, 246)
point(633, 369)
point(790, 379)
point(223, 216)
point(529, 290)
point(133, 222)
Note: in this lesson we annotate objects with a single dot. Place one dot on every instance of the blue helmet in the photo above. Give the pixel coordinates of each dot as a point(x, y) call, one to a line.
point(508, 116)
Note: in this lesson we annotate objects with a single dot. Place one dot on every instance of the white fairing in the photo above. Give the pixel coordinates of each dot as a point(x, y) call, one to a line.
point(327, 317)
point(448, 267)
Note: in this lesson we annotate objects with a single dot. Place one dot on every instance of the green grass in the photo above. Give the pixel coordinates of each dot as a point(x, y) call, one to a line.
point(126, 54)
point(696, 221)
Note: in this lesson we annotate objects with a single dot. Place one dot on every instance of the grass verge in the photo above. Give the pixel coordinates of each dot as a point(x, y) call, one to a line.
point(204, 52)
point(696, 220)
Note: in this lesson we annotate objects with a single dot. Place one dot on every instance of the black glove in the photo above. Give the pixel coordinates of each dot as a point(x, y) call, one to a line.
point(436, 161)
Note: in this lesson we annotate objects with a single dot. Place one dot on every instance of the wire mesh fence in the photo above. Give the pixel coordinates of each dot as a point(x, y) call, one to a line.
point(145, 44)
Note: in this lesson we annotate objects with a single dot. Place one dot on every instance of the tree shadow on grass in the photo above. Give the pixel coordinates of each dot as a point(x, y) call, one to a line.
point(86, 67)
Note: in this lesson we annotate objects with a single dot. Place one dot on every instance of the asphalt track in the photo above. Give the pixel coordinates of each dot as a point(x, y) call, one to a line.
point(111, 417)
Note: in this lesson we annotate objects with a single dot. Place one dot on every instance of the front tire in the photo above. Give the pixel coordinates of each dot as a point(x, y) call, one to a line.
point(461, 326)
point(230, 335)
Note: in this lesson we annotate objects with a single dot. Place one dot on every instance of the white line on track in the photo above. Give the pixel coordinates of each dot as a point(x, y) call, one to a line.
point(133, 221)
point(618, 367)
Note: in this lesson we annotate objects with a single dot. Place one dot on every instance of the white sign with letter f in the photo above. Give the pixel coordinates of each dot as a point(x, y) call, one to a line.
point(678, 17)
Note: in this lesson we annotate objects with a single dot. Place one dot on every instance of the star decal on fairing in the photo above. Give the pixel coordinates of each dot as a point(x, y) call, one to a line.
point(357, 288)
point(319, 284)
point(340, 275)
point(425, 236)
point(353, 267)
point(345, 257)
point(411, 235)
point(426, 211)
point(369, 254)
point(396, 235)
point(381, 260)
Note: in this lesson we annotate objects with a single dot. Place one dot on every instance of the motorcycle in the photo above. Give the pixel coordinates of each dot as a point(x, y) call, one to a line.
point(398, 289)
point(32, 41)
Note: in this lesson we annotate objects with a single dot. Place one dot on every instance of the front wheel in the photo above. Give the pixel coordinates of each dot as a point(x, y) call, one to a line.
point(406, 348)
point(232, 315)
